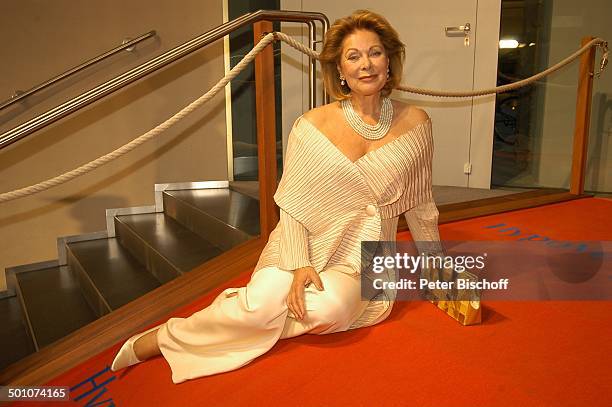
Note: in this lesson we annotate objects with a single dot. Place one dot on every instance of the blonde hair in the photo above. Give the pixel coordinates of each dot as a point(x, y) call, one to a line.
point(332, 50)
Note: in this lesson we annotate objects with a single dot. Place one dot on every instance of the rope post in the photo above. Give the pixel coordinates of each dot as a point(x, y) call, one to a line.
point(583, 117)
point(266, 130)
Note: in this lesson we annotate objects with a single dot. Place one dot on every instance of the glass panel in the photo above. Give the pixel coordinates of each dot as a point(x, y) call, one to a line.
point(244, 114)
point(534, 125)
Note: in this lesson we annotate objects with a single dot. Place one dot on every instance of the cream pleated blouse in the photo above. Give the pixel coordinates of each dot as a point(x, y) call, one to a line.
point(330, 204)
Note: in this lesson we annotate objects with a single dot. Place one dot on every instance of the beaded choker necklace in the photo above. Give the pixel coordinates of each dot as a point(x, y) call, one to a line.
point(369, 131)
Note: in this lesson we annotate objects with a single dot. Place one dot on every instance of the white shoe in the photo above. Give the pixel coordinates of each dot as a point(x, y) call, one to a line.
point(126, 356)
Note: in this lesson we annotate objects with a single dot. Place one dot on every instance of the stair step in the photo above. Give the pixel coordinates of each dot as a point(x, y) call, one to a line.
point(248, 188)
point(167, 248)
point(53, 303)
point(109, 276)
point(15, 339)
point(223, 216)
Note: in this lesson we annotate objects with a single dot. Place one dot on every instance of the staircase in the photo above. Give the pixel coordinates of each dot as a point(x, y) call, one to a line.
point(142, 248)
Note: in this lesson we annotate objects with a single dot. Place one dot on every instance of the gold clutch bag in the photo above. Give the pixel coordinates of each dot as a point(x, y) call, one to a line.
point(463, 305)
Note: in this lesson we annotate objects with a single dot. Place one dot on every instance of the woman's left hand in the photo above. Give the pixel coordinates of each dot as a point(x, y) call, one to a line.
point(302, 277)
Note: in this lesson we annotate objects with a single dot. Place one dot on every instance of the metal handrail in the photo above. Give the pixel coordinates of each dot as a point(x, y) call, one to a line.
point(164, 59)
point(125, 45)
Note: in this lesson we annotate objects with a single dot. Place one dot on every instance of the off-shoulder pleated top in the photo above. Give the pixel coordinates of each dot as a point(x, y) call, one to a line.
point(390, 179)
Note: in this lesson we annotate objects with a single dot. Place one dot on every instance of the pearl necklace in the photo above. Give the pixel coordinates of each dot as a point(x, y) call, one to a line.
point(369, 131)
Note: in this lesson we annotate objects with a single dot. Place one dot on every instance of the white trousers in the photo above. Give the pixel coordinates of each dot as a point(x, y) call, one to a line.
point(244, 323)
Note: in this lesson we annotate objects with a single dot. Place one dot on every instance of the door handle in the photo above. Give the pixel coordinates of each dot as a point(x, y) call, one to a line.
point(458, 31)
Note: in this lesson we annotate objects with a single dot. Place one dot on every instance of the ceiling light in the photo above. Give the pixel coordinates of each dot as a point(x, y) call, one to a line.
point(508, 43)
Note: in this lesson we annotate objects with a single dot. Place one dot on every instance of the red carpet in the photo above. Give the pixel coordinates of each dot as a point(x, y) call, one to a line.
point(524, 353)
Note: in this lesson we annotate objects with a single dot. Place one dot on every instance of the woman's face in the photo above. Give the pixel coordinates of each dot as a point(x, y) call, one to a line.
point(364, 62)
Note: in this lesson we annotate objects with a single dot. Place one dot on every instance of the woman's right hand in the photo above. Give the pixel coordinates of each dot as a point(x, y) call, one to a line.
point(302, 277)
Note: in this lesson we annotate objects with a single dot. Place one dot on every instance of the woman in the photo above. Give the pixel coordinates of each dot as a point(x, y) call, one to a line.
point(351, 168)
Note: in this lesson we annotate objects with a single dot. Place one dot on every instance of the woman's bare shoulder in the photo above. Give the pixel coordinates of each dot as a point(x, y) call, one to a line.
point(410, 115)
point(319, 116)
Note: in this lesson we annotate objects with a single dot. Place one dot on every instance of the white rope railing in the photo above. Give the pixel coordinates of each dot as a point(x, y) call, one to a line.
point(268, 38)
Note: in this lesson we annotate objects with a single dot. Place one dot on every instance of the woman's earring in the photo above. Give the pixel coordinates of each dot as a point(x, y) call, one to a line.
point(342, 82)
point(387, 72)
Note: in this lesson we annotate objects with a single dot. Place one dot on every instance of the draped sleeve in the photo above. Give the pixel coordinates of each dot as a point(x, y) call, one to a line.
point(293, 245)
point(417, 201)
point(418, 151)
point(422, 221)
